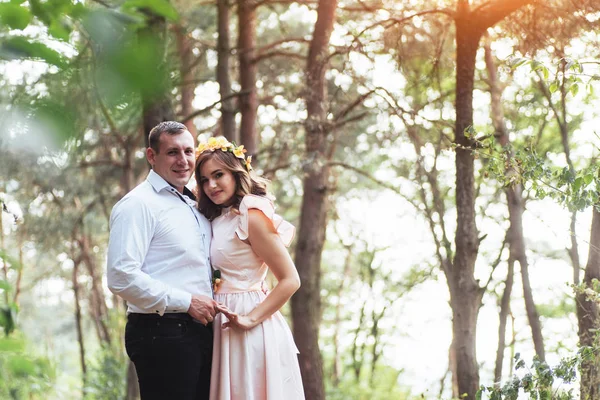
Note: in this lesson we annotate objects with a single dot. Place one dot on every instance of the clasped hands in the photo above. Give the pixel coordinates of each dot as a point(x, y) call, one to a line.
point(204, 309)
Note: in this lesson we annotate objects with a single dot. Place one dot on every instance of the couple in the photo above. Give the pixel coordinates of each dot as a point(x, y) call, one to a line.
point(161, 248)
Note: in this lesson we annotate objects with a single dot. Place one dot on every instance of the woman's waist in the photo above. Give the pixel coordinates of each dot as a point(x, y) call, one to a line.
point(231, 286)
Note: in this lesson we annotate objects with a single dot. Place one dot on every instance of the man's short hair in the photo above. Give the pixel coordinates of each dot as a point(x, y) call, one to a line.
point(168, 127)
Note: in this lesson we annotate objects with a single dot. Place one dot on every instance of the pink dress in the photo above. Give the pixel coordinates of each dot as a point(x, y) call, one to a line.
point(261, 363)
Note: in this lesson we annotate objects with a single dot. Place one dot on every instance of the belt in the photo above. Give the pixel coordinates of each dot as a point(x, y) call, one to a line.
point(133, 317)
point(228, 287)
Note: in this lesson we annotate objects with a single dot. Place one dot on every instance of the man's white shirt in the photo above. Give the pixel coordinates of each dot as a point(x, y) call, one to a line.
point(158, 250)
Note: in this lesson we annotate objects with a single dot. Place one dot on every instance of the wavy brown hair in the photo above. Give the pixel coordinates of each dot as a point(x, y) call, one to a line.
point(245, 182)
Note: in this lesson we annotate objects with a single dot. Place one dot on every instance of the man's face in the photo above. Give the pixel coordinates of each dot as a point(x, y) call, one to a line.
point(174, 161)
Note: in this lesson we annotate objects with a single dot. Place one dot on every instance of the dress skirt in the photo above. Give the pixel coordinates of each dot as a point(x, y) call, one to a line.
point(258, 364)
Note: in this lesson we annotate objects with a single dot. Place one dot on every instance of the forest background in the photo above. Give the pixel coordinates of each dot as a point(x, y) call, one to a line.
point(437, 158)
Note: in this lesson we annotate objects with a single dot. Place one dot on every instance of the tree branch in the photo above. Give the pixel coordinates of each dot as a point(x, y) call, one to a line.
point(277, 53)
point(213, 105)
point(488, 14)
point(353, 105)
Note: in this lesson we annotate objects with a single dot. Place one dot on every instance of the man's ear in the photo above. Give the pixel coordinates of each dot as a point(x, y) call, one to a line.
point(151, 156)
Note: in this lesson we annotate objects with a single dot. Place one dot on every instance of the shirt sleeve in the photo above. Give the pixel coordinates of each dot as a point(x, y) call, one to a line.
point(132, 227)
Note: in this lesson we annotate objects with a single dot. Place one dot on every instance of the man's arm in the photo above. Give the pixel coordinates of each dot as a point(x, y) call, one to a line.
point(131, 230)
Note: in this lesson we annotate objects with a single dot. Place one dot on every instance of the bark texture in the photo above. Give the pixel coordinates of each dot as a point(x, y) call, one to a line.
point(306, 303)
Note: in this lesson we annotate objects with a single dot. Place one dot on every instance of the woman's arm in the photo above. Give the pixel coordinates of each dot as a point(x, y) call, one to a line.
point(265, 242)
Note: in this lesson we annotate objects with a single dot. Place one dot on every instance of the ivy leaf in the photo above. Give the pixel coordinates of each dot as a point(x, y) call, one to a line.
point(59, 30)
point(20, 47)
point(7, 320)
point(158, 7)
point(14, 264)
point(577, 184)
point(518, 61)
point(14, 16)
point(574, 89)
point(569, 64)
point(4, 285)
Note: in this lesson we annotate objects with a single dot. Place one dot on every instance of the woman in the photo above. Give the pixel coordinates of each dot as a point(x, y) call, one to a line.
point(254, 354)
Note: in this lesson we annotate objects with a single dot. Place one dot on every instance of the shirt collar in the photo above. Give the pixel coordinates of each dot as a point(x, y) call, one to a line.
point(159, 183)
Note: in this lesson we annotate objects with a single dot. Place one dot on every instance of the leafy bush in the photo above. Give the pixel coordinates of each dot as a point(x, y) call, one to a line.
point(539, 380)
point(106, 376)
point(22, 375)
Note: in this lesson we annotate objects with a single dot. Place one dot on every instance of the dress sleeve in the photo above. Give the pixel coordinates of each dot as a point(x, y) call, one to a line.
point(285, 230)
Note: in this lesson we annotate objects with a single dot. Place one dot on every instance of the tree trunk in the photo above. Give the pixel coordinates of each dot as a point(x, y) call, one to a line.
point(156, 103)
point(248, 100)
point(337, 357)
point(588, 317)
point(504, 312)
point(465, 293)
point(223, 77)
point(186, 69)
point(306, 303)
point(573, 251)
point(133, 387)
point(20, 235)
point(4, 264)
point(127, 181)
point(78, 324)
point(98, 307)
point(515, 210)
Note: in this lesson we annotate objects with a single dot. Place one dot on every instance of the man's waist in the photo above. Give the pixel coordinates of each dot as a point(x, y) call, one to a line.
point(133, 317)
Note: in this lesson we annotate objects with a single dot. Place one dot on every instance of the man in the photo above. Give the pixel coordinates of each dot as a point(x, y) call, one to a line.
point(158, 261)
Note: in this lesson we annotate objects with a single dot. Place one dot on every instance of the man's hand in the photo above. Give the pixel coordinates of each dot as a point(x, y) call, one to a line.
point(203, 309)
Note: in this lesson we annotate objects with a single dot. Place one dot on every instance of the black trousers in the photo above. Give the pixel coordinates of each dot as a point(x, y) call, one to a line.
point(172, 355)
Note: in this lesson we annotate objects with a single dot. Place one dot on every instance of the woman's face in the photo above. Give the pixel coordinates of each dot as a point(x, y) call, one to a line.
point(218, 183)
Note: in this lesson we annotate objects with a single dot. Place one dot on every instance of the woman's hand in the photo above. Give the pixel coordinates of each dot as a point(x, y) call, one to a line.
point(236, 321)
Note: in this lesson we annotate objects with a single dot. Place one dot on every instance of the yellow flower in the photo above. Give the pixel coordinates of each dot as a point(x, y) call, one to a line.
point(201, 147)
point(239, 152)
point(222, 143)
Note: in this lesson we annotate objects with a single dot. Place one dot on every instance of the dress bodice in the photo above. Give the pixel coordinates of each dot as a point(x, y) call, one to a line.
point(241, 268)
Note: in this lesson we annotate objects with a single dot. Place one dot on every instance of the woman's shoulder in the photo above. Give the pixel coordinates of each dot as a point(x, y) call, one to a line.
point(253, 201)
point(266, 206)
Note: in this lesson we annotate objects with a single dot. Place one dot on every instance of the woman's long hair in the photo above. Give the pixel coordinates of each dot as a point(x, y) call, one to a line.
point(245, 182)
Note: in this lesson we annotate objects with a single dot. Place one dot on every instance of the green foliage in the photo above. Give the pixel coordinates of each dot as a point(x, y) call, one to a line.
point(23, 375)
point(125, 60)
point(8, 309)
point(15, 16)
point(575, 190)
point(570, 78)
point(539, 381)
point(384, 385)
point(105, 378)
point(18, 48)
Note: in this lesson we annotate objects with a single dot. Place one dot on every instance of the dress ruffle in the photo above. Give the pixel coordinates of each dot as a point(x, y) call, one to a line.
point(285, 230)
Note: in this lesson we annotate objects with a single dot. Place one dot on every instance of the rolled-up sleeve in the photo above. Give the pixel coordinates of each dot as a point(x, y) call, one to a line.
point(132, 227)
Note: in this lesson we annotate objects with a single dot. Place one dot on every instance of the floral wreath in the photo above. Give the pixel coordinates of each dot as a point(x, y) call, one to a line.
point(216, 143)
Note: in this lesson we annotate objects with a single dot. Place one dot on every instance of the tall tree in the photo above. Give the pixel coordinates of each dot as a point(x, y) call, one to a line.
point(465, 292)
point(248, 100)
point(223, 75)
point(588, 315)
point(515, 235)
point(186, 74)
point(306, 303)
point(156, 102)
